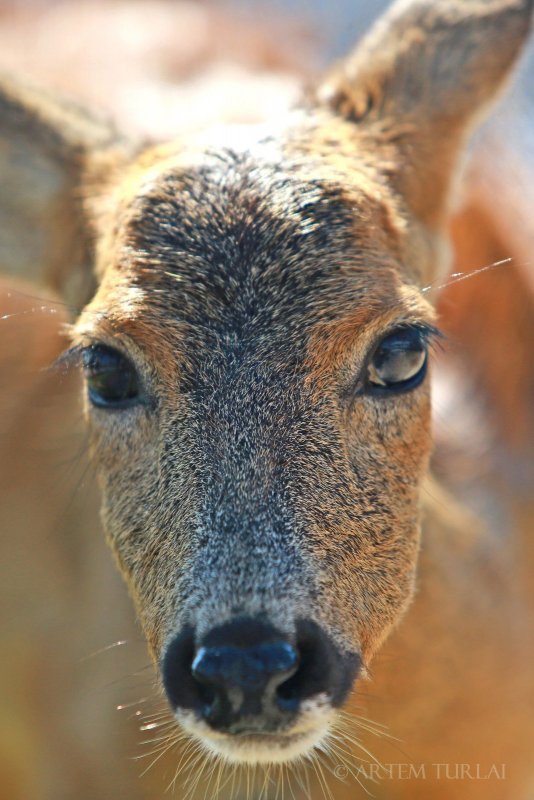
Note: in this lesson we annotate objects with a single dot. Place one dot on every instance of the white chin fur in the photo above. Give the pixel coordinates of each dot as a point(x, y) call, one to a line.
point(292, 745)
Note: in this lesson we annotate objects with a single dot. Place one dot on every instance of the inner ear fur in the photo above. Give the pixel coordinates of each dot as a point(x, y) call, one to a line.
point(419, 81)
point(50, 149)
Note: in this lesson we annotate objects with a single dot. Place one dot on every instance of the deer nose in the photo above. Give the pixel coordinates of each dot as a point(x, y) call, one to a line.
point(247, 677)
point(234, 679)
point(240, 683)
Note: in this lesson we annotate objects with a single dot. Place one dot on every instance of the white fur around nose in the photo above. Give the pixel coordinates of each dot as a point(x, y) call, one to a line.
point(299, 741)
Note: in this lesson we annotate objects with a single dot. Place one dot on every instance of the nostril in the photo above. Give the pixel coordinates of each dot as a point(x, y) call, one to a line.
point(180, 686)
point(313, 670)
point(306, 680)
point(322, 669)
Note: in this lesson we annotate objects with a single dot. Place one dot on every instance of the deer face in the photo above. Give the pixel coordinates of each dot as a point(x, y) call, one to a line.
point(256, 360)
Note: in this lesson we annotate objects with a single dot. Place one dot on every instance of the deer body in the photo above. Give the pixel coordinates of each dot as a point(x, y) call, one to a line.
point(256, 355)
point(487, 689)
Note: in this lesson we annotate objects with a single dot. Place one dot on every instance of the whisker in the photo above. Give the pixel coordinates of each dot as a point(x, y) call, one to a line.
point(152, 752)
point(278, 782)
point(234, 774)
point(375, 728)
point(161, 723)
point(457, 277)
point(125, 706)
point(305, 780)
point(289, 775)
point(191, 748)
point(321, 777)
point(163, 738)
point(266, 781)
point(120, 643)
point(209, 777)
point(40, 299)
point(201, 758)
point(357, 743)
point(172, 743)
point(26, 311)
point(220, 770)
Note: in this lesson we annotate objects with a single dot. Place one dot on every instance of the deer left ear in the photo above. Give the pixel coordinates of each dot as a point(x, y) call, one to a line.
point(418, 82)
point(52, 153)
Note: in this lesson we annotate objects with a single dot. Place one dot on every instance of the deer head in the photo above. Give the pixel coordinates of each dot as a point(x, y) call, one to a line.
point(256, 361)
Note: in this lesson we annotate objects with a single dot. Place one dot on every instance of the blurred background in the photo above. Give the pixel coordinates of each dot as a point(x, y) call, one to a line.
point(70, 651)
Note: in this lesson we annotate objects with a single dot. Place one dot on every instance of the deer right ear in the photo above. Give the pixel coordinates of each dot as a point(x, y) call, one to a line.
point(48, 150)
point(418, 82)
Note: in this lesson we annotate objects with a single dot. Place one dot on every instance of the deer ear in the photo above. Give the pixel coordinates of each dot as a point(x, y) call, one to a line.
point(419, 81)
point(48, 151)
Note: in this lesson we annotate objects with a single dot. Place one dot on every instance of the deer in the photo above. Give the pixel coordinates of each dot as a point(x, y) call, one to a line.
point(255, 338)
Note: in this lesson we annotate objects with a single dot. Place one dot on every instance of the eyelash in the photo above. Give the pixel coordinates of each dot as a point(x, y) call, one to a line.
point(430, 336)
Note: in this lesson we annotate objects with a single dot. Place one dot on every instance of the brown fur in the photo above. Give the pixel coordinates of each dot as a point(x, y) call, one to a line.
point(196, 258)
point(61, 598)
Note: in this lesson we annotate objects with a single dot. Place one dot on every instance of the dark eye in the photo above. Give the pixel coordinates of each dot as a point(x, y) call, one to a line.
point(111, 380)
point(399, 362)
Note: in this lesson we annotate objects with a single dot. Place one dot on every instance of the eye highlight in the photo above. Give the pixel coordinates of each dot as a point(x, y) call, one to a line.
point(112, 380)
point(399, 362)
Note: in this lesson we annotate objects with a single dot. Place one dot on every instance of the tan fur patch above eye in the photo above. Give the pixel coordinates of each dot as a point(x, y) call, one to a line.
point(335, 344)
